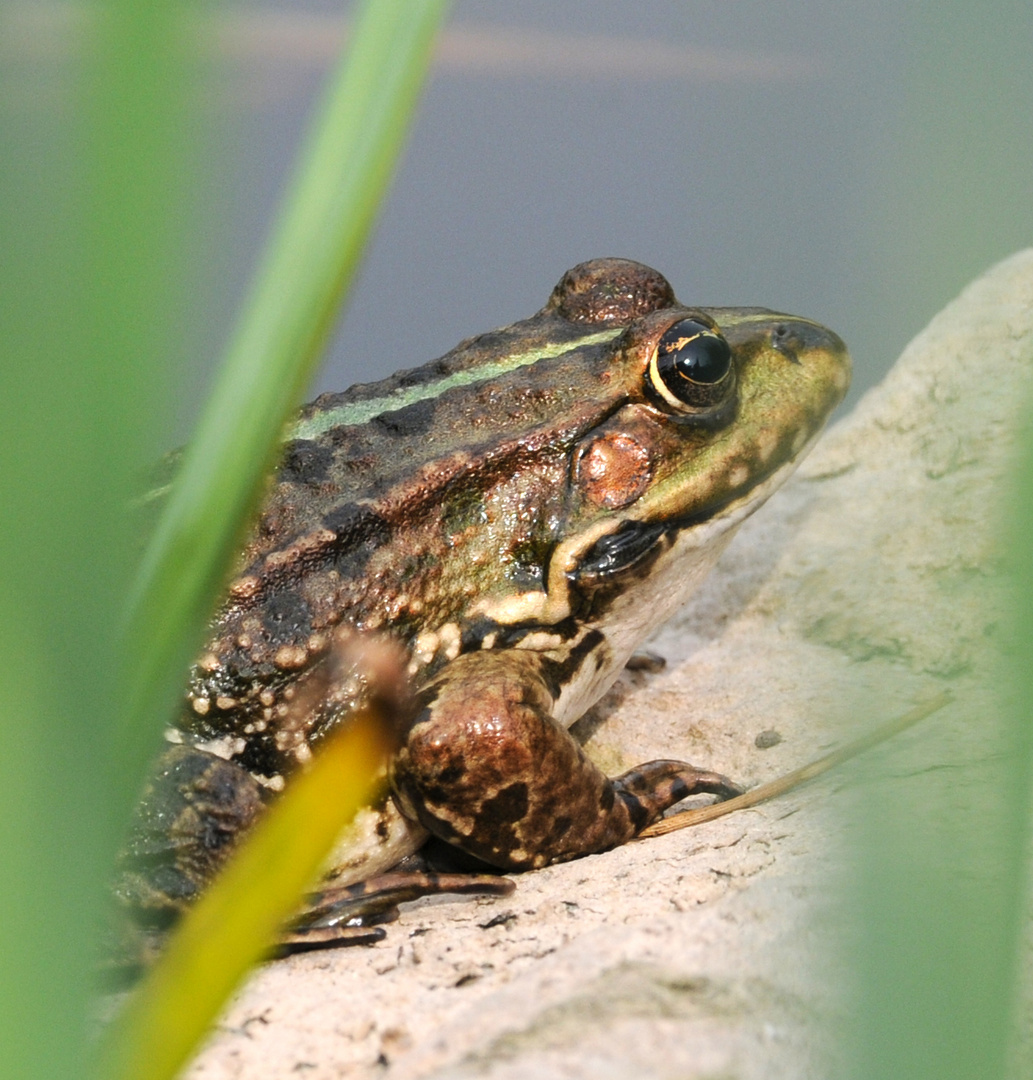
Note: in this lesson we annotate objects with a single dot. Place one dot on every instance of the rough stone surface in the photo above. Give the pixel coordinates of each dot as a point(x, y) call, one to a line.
point(868, 584)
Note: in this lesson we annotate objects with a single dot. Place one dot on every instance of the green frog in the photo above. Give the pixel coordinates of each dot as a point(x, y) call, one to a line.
point(517, 516)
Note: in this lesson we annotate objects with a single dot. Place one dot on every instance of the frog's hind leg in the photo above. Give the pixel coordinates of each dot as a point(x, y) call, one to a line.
point(350, 914)
point(487, 768)
point(194, 809)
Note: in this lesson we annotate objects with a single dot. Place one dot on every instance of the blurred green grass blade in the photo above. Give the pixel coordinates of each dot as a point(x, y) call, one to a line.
point(91, 221)
point(310, 262)
point(942, 877)
point(233, 925)
point(1020, 700)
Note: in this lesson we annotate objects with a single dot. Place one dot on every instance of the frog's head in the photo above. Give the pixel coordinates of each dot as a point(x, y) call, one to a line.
point(711, 410)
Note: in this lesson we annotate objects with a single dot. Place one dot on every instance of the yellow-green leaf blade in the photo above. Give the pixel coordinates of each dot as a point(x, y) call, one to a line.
point(234, 923)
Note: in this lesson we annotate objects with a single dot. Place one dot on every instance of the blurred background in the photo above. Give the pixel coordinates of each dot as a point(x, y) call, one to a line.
point(855, 163)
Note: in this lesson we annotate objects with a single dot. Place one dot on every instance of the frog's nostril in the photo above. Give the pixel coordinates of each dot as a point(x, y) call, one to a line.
point(783, 339)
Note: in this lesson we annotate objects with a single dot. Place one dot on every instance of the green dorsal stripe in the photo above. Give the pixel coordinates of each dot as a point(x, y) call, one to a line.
point(358, 412)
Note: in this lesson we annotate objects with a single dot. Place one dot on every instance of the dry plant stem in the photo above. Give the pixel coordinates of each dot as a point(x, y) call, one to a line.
point(785, 783)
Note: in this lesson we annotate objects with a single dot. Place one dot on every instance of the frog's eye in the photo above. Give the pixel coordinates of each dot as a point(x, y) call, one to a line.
point(690, 367)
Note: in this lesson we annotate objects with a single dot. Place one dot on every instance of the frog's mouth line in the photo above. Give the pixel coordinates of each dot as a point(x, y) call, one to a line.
point(661, 542)
point(677, 552)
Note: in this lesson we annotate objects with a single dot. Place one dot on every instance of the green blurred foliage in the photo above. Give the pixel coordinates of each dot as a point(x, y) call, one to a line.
point(940, 876)
point(941, 856)
point(91, 214)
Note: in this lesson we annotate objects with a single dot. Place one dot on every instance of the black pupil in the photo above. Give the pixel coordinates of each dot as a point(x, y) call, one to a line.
point(696, 352)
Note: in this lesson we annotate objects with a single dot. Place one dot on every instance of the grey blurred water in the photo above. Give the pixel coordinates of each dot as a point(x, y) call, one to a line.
point(855, 163)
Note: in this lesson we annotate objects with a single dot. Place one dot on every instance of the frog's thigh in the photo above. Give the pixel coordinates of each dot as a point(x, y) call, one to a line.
point(486, 768)
point(193, 812)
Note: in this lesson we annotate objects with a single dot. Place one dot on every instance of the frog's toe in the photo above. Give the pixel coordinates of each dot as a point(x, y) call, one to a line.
point(350, 914)
point(652, 788)
point(310, 938)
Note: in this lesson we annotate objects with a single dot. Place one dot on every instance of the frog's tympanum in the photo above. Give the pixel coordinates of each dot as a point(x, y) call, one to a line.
point(518, 515)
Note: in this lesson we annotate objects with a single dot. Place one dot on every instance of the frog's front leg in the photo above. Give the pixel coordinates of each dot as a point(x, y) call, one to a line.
point(487, 768)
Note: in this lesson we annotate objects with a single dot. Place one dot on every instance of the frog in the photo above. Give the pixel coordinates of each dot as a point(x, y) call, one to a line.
point(516, 517)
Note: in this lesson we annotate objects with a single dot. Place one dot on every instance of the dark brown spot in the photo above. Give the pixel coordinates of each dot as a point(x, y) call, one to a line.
point(560, 828)
point(509, 805)
point(637, 812)
point(431, 372)
point(452, 773)
point(286, 616)
point(415, 419)
point(359, 533)
point(475, 631)
point(305, 462)
point(679, 789)
point(353, 524)
point(558, 673)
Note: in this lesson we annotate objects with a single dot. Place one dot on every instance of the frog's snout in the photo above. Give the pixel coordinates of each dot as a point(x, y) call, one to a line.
point(797, 338)
point(816, 347)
